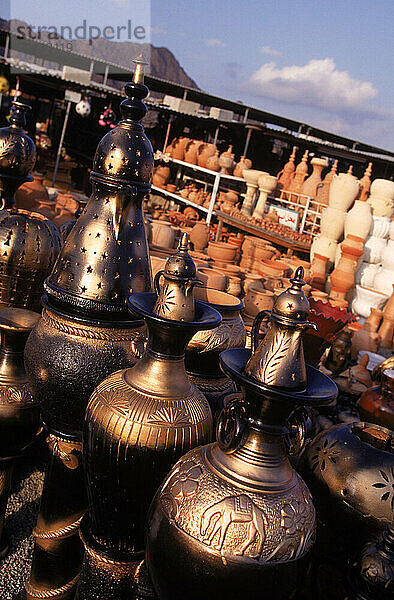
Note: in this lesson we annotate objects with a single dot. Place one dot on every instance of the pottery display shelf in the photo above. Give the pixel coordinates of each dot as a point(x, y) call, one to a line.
point(311, 209)
point(178, 198)
point(218, 177)
point(257, 231)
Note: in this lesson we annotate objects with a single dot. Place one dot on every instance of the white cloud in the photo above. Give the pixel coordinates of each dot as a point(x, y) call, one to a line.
point(158, 30)
point(270, 51)
point(215, 43)
point(318, 83)
point(120, 2)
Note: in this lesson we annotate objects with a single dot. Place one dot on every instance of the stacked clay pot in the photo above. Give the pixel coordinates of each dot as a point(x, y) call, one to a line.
point(251, 177)
point(381, 197)
point(286, 174)
point(255, 250)
point(222, 251)
point(309, 187)
point(344, 189)
point(384, 278)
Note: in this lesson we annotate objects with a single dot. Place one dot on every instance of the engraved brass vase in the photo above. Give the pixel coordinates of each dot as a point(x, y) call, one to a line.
point(86, 333)
point(19, 414)
point(29, 242)
point(233, 519)
point(202, 353)
point(139, 421)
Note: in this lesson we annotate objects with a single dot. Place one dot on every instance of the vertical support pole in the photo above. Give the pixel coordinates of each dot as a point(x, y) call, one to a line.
point(246, 116)
point(106, 75)
point(167, 133)
point(213, 198)
point(215, 139)
point(247, 142)
point(59, 150)
point(304, 215)
point(7, 45)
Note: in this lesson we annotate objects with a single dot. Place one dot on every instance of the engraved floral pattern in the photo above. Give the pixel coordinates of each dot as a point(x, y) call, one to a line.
point(165, 302)
point(170, 416)
point(275, 355)
point(326, 452)
point(12, 395)
point(185, 481)
point(386, 486)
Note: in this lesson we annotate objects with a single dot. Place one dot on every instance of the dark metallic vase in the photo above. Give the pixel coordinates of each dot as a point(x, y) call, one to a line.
point(202, 354)
point(233, 519)
point(350, 471)
point(19, 414)
point(373, 574)
point(29, 242)
point(139, 421)
point(86, 332)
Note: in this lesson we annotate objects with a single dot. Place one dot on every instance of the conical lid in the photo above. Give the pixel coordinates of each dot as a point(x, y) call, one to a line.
point(181, 265)
point(105, 257)
point(17, 153)
point(292, 303)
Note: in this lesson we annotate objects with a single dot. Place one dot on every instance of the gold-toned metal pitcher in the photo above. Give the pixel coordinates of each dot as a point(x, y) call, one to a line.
point(175, 299)
point(278, 360)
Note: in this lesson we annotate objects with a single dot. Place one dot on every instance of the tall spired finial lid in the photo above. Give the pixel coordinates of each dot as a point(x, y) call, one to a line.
point(125, 152)
point(175, 298)
point(292, 303)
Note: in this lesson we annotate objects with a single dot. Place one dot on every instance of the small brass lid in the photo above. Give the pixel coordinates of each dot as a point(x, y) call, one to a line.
point(292, 303)
point(181, 265)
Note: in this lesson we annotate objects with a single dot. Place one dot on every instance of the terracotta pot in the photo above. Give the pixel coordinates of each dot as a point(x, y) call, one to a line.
point(206, 151)
point(257, 300)
point(222, 251)
point(319, 295)
point(376, 405)
point(226, 161)
point(199, 236)
point(178, 148)
point(191, 150)
point(243, 165)
point(232, 197)
point(171, 187)
point(31, 193)
point(212, 278)
point(252, 279)
point(373, 321)
point(389, 307)
point(163, 235)
point(272, 268)
point(364, 339)
point(342, 278)
point(386, 333)
point(309, 186)
point(234, 285)
point(160, 176)
point(213, 162)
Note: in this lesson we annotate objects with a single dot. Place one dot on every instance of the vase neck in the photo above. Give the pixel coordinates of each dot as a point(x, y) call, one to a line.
point(260, 462)
point(11, 354)
point(157, 374)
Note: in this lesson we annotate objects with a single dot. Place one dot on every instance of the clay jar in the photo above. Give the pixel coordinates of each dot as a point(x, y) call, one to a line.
point(257, 299)
point(191, 151)
point(160, 176)
point(365, 299)
point(342, 278)
point(343, 191)
point(31, 193)
point(226, 161)
point(309, 187)
point(213, 162)
point(367, 337)
point(358, 220)
point(178, 148)
point(204, 153)
point(376, 405)
point(222, 251)
point(212, 278)
point(163, 235)
point(272, 268)
point(199, 236)
point(243, 165)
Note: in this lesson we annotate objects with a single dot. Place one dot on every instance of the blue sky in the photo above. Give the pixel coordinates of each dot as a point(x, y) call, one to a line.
point(327, 63)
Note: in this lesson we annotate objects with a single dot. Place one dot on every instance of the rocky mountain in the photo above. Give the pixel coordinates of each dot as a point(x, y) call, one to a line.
point(163, 63)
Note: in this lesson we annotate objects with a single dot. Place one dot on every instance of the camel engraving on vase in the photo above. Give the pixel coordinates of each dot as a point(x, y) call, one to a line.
point(241, 527)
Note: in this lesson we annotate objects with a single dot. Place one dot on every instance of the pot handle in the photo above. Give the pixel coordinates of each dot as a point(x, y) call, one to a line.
point(156, 282)
point(310, 325)
point(256, 328)
point(231, 426)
